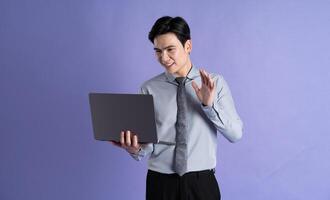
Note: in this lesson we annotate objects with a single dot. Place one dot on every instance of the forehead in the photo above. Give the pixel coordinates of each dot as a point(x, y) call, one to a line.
point(164, 40)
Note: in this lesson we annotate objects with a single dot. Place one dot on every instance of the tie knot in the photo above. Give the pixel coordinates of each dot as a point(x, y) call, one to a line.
point(180, 80)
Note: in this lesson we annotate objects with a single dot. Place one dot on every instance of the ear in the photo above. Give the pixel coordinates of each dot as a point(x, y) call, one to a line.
point(188, 46)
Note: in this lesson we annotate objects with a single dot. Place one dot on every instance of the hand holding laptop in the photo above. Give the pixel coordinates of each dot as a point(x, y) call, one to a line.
point(128, 141)
point(111, 113)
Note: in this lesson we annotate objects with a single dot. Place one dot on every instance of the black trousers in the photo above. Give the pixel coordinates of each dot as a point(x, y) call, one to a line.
point(201, 185)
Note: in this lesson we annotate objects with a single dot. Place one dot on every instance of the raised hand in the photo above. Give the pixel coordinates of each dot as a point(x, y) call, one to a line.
point(206, 92)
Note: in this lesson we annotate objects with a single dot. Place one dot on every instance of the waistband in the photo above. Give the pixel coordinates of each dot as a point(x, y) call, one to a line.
point(207, 171)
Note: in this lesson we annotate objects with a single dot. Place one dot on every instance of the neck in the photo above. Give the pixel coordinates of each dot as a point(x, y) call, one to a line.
point(183, 72)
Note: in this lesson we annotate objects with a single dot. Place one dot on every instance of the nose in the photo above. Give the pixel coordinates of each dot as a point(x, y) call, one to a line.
point(164, 58)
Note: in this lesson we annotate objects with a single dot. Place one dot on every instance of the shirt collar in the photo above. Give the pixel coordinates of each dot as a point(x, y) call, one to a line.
point(192, 74)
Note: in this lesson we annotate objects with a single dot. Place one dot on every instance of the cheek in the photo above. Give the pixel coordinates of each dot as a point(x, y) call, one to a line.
point(175, 56)
point(180, 58)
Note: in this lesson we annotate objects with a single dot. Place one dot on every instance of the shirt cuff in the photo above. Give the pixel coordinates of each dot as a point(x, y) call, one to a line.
point(141, 153)
point(210, 111)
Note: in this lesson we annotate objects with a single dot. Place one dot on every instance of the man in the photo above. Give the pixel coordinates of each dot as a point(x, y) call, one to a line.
point(191, 105)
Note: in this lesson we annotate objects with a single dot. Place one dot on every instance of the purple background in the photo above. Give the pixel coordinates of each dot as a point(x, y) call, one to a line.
point(275, 55)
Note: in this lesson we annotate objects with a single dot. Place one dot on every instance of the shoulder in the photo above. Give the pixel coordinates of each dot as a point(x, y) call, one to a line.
point(214, 76)
point(220, 82)
point(154, 81)
point(219, 79)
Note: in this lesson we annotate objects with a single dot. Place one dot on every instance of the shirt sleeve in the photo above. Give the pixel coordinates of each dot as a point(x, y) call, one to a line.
point(146, 149)
point(223, 113)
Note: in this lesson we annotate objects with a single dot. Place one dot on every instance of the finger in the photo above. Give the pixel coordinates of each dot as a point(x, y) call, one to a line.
point(213, 83)
point(135, 141)
point(213, 86)
point(202, 76)
point(128, 138)
point(122, 138)
point(206, 79)
point(207, 82)
point(210, 80)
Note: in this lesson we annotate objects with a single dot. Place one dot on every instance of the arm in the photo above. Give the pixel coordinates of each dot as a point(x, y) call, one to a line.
point(223, 113)
point(218, 105)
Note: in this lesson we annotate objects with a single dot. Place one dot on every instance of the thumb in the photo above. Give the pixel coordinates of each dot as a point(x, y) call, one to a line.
point(195, 86)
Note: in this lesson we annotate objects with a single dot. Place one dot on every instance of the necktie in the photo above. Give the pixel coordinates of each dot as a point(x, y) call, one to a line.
point(180, 162)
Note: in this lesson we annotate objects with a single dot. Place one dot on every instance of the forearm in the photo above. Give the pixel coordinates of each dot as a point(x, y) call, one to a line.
point(223, 113)
point(230, 126)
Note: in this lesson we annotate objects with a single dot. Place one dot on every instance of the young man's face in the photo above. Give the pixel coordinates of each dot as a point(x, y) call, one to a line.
point(172, 55)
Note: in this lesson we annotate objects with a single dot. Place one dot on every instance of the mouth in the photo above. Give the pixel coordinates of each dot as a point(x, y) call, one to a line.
point(168, 66)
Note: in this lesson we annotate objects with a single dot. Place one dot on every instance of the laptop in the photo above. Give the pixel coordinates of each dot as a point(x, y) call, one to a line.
point(112, 113)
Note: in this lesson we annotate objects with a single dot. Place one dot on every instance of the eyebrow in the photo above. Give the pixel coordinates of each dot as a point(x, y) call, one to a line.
point(170, 46)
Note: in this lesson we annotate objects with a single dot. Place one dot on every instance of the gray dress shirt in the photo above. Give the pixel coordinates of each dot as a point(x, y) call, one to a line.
point(203, 123)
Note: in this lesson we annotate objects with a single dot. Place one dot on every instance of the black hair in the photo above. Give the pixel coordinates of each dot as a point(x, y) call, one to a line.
point(166, 24)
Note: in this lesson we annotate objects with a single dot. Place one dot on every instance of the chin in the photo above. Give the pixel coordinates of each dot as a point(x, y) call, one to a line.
point(172, 71)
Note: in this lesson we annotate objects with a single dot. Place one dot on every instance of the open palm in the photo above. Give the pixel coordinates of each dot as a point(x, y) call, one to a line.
point(206, 92)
